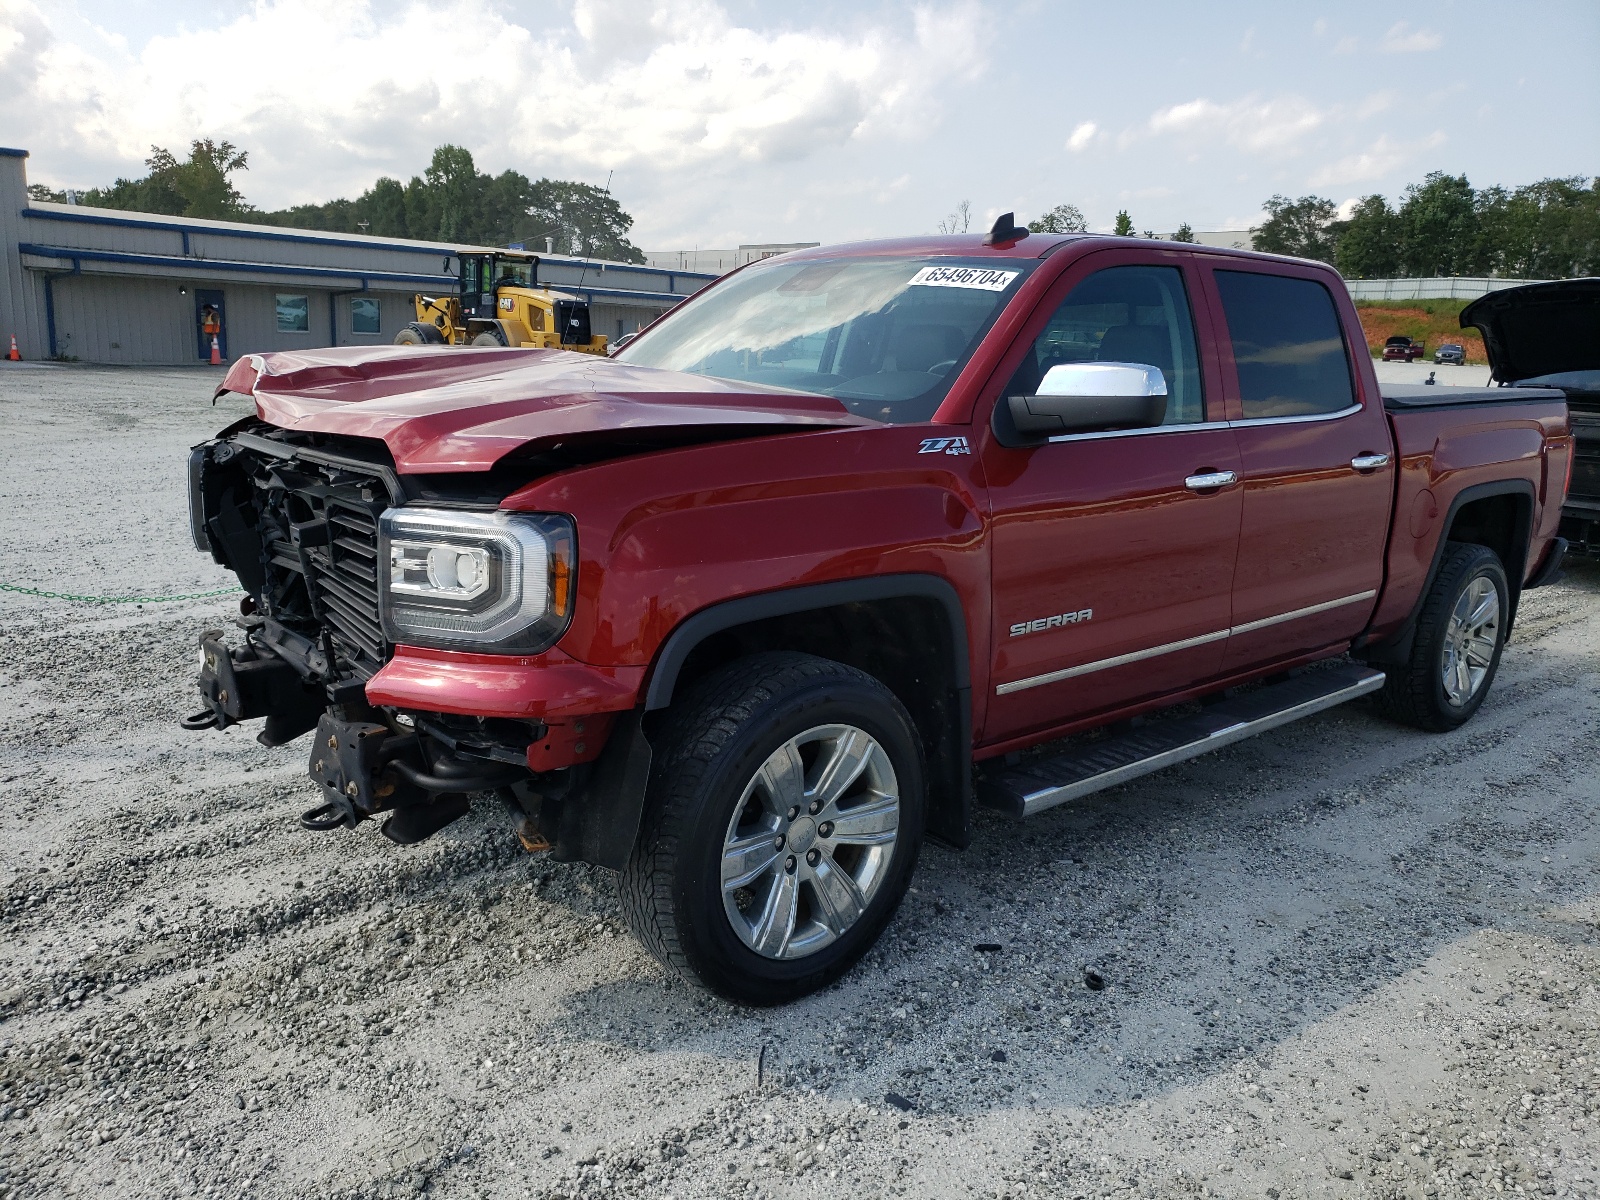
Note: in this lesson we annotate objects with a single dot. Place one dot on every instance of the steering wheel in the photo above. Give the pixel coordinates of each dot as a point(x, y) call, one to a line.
point(939, 368)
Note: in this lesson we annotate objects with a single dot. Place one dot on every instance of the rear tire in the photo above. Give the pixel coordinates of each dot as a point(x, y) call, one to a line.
point(760, 873)
point(1456, 651)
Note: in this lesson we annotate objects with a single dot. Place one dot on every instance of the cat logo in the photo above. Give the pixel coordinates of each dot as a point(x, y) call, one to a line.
point(1055, 622)
point(949, 445)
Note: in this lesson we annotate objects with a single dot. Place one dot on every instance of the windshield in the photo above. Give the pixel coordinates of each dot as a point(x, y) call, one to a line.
point(510, 272)
point(885, 336)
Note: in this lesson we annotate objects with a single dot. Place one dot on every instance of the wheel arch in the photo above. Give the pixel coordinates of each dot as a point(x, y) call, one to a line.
point(1498, 515)
point(909, 631)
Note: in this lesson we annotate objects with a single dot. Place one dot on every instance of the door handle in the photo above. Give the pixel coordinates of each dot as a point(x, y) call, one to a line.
point(1210, 480)
point(1369, 462)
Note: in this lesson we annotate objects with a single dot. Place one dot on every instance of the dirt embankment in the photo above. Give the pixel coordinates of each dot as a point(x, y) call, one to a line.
point(1432, 322)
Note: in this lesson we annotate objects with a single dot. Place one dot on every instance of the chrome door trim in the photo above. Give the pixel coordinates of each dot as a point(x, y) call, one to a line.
point(1117, 433)
point(1105, 664)
point(1369, 462)
point(1339, 414)
point(1005, 689)
point(1309, 611)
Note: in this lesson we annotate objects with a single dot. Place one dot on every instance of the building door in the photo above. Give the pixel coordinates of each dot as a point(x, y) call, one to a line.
point(1112, 568)
point(210, 320)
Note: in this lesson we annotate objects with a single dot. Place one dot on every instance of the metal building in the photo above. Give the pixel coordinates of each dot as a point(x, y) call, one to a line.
point(108, 286)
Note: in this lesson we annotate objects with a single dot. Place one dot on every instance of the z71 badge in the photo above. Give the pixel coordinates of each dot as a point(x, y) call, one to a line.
point(1055, 622)
point(953, 445)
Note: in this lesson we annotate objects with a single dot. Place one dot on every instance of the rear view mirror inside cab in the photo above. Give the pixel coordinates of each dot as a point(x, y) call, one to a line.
point(1086, 397)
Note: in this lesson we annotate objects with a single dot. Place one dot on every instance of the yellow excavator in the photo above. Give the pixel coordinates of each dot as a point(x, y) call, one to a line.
point(502, 304)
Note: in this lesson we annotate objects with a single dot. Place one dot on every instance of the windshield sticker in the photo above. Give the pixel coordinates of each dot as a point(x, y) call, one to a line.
point(981, 278)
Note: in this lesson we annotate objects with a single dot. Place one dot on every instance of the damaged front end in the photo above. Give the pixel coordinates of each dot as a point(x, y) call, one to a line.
point(340, 564)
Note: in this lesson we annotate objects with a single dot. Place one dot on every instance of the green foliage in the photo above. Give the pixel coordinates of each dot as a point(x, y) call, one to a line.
point(1369, 242)
point(1063, 218)
point(1301, 228)
point(1124, 225)
point(1443, 227)
point(199, 186)
point(451, 201)
point(1184, 234)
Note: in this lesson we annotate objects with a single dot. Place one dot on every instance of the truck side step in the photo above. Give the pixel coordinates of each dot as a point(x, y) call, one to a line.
point(1042, 783)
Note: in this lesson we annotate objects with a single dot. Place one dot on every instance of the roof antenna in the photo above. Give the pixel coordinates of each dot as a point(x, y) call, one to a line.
point(1006, 232)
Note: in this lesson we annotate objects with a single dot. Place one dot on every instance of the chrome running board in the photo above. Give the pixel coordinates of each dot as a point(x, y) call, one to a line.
point(1037, 784)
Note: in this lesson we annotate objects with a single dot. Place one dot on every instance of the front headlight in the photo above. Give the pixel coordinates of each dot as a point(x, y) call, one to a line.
point(500, 581)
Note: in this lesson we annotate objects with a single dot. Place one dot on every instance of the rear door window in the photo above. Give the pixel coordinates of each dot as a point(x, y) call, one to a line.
point(1288, 345)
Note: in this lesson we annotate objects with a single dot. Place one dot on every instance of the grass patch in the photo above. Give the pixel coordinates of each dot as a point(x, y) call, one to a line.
point(1431, 322)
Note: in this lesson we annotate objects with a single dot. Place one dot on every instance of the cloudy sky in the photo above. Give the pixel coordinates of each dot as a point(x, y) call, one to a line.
point(747, 121)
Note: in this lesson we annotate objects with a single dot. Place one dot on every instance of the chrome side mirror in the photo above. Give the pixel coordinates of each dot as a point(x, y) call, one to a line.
point(1092, 396)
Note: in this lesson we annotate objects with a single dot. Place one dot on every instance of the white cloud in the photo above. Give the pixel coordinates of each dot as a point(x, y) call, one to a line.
point(1082, 136)
point(1403, 39)
point(1346, 45)
point(1249, 123)
point(326, 97)
point(1381, 158)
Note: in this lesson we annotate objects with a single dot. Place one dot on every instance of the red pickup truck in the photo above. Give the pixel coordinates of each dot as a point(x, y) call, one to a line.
point(853, 539)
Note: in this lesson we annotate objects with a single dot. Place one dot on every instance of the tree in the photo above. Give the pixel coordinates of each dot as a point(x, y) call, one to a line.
point(38, 191)
point(583, 219)
point(1124, 225)
point(1063, 218)
point(1302, 228)
point(199, 186)
point(1369, 242)
point(1184, 234)
point(959, 221)
point(1438, 226)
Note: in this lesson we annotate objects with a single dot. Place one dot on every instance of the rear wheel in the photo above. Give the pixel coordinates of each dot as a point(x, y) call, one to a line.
point(1456, 652)
point(783, 825)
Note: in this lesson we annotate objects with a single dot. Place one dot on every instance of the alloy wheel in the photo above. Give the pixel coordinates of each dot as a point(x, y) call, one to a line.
point(1470, 639)
point(810, 841)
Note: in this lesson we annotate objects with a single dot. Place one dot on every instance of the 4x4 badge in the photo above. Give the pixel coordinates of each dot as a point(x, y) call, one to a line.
point(953, 445)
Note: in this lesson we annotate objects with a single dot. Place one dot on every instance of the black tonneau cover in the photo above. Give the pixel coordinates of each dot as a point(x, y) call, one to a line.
point(1421, 395)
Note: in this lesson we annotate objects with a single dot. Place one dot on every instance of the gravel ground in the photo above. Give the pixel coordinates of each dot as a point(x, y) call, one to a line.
point(1339, 960)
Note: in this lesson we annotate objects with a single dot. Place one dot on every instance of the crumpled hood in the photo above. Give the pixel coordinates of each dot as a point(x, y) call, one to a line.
point(1540, 329)
point(448, 409)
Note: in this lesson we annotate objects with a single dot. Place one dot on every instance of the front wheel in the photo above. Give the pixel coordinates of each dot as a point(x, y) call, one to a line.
point(782, 828)
point(1461, 632)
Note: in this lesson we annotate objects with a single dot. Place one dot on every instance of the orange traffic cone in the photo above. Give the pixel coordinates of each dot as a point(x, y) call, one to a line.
point(216, 352)
point(14, 356)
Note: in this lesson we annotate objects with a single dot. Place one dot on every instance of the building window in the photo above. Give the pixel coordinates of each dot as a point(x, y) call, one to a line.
point(363, 314)
point(294, 314)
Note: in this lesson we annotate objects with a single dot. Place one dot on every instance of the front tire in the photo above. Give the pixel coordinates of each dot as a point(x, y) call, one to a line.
point(782, 827)
point(1456, 651)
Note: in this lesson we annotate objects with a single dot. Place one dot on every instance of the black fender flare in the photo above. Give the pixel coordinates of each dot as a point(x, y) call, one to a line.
point(614, 803)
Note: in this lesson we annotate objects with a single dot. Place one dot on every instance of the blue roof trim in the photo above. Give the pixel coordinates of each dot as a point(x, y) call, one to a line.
point(275, 235)
point(12, 152)
point(201, 266)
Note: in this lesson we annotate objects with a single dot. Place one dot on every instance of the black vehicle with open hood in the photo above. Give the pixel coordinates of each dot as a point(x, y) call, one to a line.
point(1548, 335)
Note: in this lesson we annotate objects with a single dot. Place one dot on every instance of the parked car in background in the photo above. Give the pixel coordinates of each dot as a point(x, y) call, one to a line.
point(1401, 349)
point(1548, 335)
point(1454, 355)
